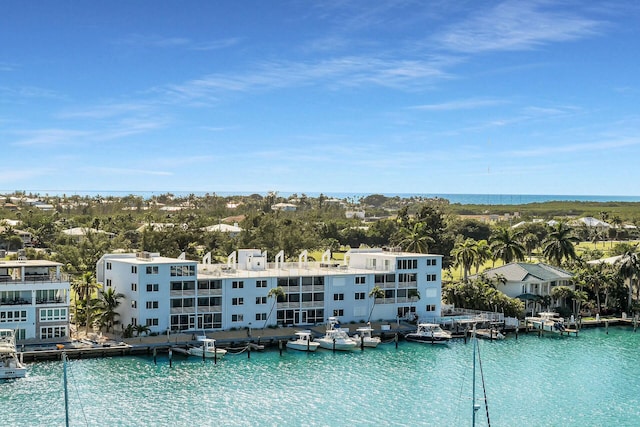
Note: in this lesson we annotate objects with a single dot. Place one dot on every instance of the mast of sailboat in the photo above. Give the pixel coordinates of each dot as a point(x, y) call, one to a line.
point(66, 393)
point(474, 338)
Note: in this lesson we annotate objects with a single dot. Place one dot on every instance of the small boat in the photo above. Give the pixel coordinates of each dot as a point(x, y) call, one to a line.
point(489, 334)
point(303, 342)
point(430, 333)
point(547, 321)
point(208, 348)
point(363, 337)
point(10, 365)
point(336, 338)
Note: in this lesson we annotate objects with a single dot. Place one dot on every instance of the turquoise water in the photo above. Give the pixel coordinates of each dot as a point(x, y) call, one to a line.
point(591, 380)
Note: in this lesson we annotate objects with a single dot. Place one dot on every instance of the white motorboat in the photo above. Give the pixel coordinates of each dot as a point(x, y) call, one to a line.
point(10, 365)
point(363, 337)
point(336, 338)
point(303, 342)
point(208, 347)
point(547, 321)
point(430, 333)
point(490, 334)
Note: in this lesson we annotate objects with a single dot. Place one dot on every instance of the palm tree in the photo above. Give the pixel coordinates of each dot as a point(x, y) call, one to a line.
point(413, 293)
point(276, 293)
point(505, 246)
point(415, 238)
point(629, 269)
point(109, 301)
point(465, 255)
point(84, 288)
point(375, 293)
point(141, 329)
point(559, 244)
point(562, 293)
point(530, 241)
point(483, 254)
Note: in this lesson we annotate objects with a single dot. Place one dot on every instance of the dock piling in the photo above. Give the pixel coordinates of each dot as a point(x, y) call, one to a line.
point(170, 358)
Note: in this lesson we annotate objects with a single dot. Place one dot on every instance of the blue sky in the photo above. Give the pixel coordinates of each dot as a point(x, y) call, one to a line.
point(526, 97)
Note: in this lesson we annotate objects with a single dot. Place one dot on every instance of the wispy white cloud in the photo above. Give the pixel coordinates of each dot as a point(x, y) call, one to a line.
point(153, 40)
point(49, 137)
point(105, 111)
point(100, 170)
point(162, 42)
point(574, 148)
point(10, 94)
point(349, 71)
point(517, 25)
point(7, 66)
point(460, 104)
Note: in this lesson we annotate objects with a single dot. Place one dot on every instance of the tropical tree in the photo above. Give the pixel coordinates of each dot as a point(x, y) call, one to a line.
point(562, 294)
point(629, 270)
point(141, 329)
point(465, 255)
point(109, 301)
point(559, 244)
point(506, 246)
point(375, 293)
point(276, 293)
point(413, 293)
point(530, 241)
point(483, 254)
point(84, 287)
point(414, 238)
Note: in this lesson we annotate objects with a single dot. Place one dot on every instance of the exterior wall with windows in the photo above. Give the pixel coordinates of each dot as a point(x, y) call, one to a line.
point(185, 295)
point(34, 299)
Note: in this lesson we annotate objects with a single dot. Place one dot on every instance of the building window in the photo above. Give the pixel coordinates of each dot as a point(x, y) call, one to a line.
point(134, 287)
point(339, 312)
point(338, 297)
point(407, 264)
point(152, 287)
point(151, 322)
point(361, 280)
point(134, 269)
point(261, 316)
point(360, 295)
point(134, 321)
point(152, 304)
point(261, 300)
point(261, 283)
point(237, 317)
point(237, 284)
point(48, 332)
point(183, 270)
point(237, 301)
point(13, 316)
point(52, 314)
point(108, 283)
point(431, 277)
point(431, 261)
point(134, 304)
point(431, 307)
point(152, 269)
point(108, 266)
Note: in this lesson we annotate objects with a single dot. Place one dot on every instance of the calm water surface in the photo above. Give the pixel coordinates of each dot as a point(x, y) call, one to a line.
point(591, 380)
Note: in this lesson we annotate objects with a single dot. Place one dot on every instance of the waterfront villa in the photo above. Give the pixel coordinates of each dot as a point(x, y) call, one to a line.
point(182, 295)
point(34, 299)
point(526, 281)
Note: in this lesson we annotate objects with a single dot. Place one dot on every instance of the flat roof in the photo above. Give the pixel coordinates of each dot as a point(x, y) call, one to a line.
point(29, 263)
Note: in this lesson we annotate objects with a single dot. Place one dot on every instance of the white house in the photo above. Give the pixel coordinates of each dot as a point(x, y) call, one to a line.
point(286, 207)
point(232, 230)
point(523, 278)
point(34, 299)
point(171, 293)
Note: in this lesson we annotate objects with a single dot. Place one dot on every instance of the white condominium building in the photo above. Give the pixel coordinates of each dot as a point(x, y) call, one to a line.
point(180, 295)
point(34, 299)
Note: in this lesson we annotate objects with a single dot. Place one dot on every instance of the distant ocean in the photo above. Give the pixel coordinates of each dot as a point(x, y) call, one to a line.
point(462, 199)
